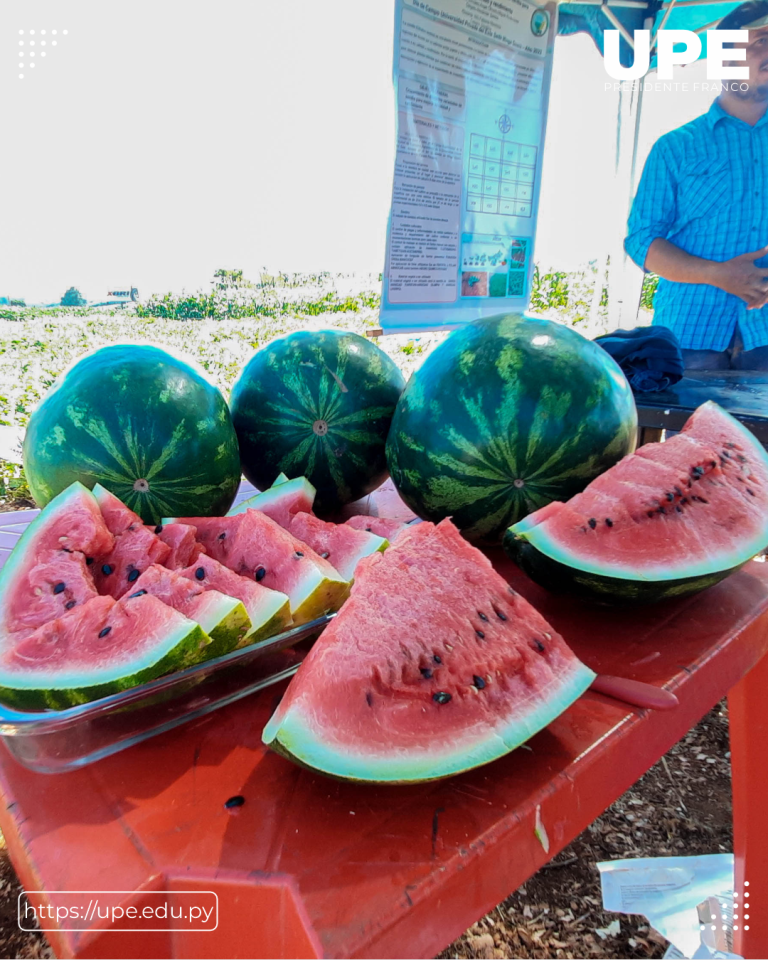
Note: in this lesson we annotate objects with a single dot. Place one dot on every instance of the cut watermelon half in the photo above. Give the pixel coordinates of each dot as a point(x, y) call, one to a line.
point(281, 501)
point(268, 610)
point(340, 545)
point(432, 667)
point(100, 649)
point(255, 546)
point(223, 618)
point(47, 572)
point(381, 526)
point(666, 521)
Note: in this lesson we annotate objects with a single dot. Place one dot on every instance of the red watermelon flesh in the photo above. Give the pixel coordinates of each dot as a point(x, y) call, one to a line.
point(182, 539)
point(693, 506)
point(433, 666)
point(381, 526)
point(281, 501)
point(55, 548)
point(135, 550)
point(58, 582)
point(117, 516)
point(342, 546)
point(253, 545)
point(103, 647)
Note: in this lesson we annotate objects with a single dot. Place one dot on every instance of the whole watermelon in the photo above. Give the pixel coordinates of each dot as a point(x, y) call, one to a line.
point(143, 423)
point(504, 416)
point(317, 404)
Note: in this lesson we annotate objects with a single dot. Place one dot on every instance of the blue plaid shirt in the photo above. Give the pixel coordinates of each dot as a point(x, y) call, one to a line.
point(705, 189)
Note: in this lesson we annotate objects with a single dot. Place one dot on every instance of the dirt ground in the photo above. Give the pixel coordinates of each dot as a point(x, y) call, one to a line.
point(681, 806)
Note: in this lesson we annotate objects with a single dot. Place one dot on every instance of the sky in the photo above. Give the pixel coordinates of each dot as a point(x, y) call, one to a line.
point(159, 141)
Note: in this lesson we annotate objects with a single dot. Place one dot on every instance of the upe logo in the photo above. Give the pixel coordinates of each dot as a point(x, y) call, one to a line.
point(668, 57)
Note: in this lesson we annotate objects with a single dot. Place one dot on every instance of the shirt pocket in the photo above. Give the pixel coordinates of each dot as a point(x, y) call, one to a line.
point(706, 189)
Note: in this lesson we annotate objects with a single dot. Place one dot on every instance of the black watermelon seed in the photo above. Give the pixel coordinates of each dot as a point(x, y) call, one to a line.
point(713, 463)
point(500, 615)
point(368, 530)
point(222, 536)
point(299, 553)
point(132, 526)
point(539, 645)
point(425, 672)
point(106, 569)
point(60, 587)
point(678, 491)
point(200, 573)
point(441, 697)
point(325, 555)
point(480, 634)
point(133, 575)
point(159, 528)
point(88, 561)
point(369, 699)
point(697, 471)
point(651, 513)
point(685, 500)
point(741, 459)
point(70, 604)
point(482, 616)
point(104, 632)
point(139, 593)
point(679, 509)
point(670, 497)
point(750, 492)
point(437, 659)
point(726, 454)
point(260, 573)
point(478, 682)
point(661, 510)
point(608, 522)
point(730, 445)
point(237, 801)
point(592, 522)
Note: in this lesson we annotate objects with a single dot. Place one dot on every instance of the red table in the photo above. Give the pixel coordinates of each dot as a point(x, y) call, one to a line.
point(313, 867)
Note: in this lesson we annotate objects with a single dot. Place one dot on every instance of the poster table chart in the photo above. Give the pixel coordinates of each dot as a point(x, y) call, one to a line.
point(309, 866)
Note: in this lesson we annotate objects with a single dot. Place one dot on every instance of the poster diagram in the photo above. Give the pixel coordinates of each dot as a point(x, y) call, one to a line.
point(501, 176)
point(493, 266)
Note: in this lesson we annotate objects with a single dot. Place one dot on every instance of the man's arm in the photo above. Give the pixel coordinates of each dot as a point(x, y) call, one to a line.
point(738, 276)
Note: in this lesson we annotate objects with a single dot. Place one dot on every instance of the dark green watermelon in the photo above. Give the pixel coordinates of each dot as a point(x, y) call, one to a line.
point(317, 404)
point(504, 416)
point(146, 425)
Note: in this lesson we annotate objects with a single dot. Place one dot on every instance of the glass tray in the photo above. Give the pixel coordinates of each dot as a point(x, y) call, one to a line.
point(54, 741)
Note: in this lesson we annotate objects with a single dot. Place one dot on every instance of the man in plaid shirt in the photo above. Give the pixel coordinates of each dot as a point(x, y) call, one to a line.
point(700, 217)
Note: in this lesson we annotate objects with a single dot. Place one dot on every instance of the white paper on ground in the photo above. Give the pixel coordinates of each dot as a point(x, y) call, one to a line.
point(668, 890)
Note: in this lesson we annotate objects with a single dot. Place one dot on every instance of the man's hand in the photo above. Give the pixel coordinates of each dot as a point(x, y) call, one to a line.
point(738, 276)
point(742, 278)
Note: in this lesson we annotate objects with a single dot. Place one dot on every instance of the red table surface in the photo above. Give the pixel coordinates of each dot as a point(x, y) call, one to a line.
point(310, 866)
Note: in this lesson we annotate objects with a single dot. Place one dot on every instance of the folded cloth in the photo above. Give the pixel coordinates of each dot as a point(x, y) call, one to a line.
point(650, 357)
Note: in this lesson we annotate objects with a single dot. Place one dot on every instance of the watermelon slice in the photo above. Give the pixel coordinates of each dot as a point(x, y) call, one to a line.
point(666, 521)
point(337, 543)
point(432, 667)
point(269, 610)
point(254, 545)
point(223, 618)
point(381, 526)
point(46, 574)
point(292, 497)
point(99, 649)
point(181, 538)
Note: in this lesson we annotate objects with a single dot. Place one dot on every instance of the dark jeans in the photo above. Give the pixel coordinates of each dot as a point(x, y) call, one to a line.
point(735, 357)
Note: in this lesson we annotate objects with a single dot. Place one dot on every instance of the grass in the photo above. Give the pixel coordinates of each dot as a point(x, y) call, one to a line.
point(222, 328)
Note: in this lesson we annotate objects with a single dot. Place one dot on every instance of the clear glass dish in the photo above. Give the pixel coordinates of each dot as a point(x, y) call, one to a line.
point(54, 741)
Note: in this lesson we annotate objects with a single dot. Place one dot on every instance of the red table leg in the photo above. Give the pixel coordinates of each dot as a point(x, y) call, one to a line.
point(748, 715)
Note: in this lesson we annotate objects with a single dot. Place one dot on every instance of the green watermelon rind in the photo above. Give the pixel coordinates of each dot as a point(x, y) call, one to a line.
point(224, 619)
point(558, 568)
point(181, 648)
point(26, 544)
point(319, 595)
point(292, 736)
point(274, 494)
point(270, 615)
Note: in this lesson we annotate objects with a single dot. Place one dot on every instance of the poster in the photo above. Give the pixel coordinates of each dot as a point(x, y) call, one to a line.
point(471, 82)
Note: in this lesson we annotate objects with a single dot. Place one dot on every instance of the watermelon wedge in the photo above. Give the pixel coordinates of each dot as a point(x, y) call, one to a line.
point(432, 667)
point(268, 610)
point(292, 497)
point(255, 546)
point(666, 521)
point(340, 545)
point(105, 647)
point(223, 618)
point(381, 526)
point(46, 574)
